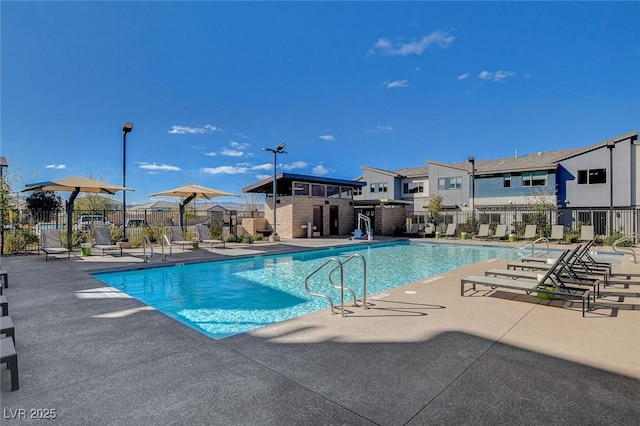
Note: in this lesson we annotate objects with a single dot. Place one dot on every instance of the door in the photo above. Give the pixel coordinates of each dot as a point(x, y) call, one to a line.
point(333, 220)
point(317, 219)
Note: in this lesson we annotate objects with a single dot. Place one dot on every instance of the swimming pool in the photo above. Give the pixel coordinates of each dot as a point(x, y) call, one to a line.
point(224, 298)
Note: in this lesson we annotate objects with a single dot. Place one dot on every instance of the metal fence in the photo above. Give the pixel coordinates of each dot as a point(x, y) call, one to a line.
point(22, 229)
point(606, 222)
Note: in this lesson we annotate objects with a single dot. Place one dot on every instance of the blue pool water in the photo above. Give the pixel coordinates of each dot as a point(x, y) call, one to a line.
point(228, 297)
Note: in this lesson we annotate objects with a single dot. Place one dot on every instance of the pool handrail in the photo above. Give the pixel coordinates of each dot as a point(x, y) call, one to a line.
point(325, 296)
point(165, 241)
point(146, 242)
point(524, 245)
point(364, 291)
point(626, 250)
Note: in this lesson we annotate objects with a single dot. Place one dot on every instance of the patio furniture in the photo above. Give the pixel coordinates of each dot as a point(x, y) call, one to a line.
point(501, 232)
point(177, 237)
point(204, 236)
point(102, 239)
point(52, 244)
point(9, 356)
point(557, 233)
point(586, 233)
point(543, 286)
point(450, 231)
point(483, 232)
point(7, 328)
point(529, 232)
point(4, 305)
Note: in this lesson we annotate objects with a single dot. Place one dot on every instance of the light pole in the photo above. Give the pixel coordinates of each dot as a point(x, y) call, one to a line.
point(610, 146)
point(3, 164)
point(473, 193)
point(277, 150)
point(127, 128)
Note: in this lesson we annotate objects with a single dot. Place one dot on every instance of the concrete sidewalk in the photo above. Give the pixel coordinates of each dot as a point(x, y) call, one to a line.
point(422, 354)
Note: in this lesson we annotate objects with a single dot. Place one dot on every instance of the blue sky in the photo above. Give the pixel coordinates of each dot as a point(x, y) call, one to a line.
point(343, 84)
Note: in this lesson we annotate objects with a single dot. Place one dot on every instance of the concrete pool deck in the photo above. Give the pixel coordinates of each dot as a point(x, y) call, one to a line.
point(422, 354)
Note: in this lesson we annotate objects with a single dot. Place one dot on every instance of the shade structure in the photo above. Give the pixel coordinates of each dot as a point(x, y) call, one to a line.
point(189, 192)
point(75, 185)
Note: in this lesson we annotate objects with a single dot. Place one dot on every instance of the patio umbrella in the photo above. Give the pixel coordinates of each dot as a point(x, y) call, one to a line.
point(75, 185)
point(189, 192)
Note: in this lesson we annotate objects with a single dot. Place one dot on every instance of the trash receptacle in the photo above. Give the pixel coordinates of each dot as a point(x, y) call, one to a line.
point(512, 238)
point(86, 249)
point(463, 235)
point(438, 234)
point(194, 245)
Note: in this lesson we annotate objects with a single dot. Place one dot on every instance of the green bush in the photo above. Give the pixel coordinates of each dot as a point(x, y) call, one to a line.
point(18, 241)
point(247, 239)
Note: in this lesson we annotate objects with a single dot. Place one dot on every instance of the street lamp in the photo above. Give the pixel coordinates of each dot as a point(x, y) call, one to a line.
point(610, 146)
point(277, 150)
point(127, 128)
point(3, 164)
point(473, 193)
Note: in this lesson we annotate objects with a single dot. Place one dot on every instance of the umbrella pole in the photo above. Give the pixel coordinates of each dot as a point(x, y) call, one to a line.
point(70, 202)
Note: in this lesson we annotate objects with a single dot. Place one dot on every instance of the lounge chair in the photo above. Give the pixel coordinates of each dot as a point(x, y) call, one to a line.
point(578, 264)
point(9, 356)
point(557, 233)
point(530, 232)
point(586, 233)
point(451, 231)
point(545, 285)
point(562, 273)
point(501, 232)
point(483, 232)
point(102, 239)
point(52, 244)
point(177, 237)
point(204, 236)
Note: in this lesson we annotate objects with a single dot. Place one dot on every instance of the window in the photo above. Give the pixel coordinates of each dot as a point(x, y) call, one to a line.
point(317, 190)
point(378, 187)
point(356, 191)
point(412, 187)
point(449, 183)
point(300, 188)
point(506, 180)
point(534, 179)
point(333, 191)
point(592, 176)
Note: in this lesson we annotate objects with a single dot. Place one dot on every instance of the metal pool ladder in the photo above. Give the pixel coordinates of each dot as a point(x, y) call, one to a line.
point(147, 243)
point(340, 286)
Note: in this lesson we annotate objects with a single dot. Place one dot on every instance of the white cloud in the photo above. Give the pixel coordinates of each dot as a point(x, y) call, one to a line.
point(225, 170)
point(386, 47)
point(185, 130)
point(231, 153)
point(379, 129)
point(239, 145)
point(397, 83)
point(464, 76)
point(262, 177)
point(159, 167)
point(327, 137)
point(294, 165)
point(495, 76)
point(210, 154)
point(265, 166)
point(56, 166)
point(319, 170)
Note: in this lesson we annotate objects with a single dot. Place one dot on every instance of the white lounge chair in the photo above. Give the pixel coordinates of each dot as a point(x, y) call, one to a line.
point(501, 232)
point(102, 239)
point(529, 232)
point(483, 232)
point(557, 233)
point(451, 231)
point(52, 244)
point(204, 236)
point(586, 233)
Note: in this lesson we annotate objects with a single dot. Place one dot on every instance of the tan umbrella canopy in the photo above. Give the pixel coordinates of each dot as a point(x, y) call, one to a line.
point(75, 185)
point(189, 192)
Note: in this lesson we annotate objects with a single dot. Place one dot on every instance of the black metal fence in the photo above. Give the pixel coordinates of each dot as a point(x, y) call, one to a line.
point(606, 222)
point(22, 229)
